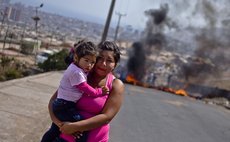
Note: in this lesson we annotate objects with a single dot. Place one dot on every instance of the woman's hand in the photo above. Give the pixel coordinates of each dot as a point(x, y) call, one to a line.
point(78, 135)
point(68, 128)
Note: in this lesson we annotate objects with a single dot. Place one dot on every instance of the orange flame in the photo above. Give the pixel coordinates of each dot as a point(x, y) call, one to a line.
point(130, 79)
point(181, 92)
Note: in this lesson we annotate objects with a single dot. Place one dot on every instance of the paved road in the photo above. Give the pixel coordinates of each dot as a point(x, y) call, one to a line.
point(147, 115)
point(152, 116)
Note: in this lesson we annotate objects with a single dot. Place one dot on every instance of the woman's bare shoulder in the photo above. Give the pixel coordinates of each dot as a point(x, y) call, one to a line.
point(118, 85)
point(117, 81)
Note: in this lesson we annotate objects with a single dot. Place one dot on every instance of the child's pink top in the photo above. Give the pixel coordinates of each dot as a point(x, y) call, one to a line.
point(73, 84)
point(91, 106)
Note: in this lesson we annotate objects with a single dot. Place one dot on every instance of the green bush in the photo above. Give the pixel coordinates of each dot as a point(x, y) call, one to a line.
point(12, 74)
point(10, 69)
point(5, 61)
point(55, 62)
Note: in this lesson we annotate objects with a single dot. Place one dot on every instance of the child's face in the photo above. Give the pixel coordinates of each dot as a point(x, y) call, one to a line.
point(87, 62)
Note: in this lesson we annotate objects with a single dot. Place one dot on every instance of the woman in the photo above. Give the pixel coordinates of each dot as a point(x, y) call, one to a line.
point(98, 111)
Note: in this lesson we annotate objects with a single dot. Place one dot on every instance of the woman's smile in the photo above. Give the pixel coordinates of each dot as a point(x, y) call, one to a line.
point(101, 69)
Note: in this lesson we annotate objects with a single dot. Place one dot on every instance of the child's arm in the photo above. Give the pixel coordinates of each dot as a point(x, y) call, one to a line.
point(90, 91)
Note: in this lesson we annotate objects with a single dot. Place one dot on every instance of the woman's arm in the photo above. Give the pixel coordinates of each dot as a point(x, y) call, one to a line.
point(110, 109)
point(50, 108)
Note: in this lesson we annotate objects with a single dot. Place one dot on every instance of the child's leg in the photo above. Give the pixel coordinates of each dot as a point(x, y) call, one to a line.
point(51, 134)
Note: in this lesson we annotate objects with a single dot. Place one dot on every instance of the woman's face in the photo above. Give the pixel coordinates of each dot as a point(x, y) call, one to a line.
point(105, 63)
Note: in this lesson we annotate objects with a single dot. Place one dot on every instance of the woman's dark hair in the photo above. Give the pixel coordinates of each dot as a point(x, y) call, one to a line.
point(110, 46)
point(83, 48)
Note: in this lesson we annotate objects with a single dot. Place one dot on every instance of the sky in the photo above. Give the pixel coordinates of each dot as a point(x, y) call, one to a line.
point(94, 9)
point(181, 11)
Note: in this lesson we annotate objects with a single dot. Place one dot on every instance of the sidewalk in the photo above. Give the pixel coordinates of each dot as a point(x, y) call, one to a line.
point(23, 107)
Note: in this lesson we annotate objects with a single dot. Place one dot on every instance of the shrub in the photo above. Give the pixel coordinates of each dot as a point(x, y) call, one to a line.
point(55, 61)
point(12, 73)
point(6, 62)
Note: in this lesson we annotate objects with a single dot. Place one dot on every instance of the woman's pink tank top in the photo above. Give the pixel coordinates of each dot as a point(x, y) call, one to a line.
point(91, 106)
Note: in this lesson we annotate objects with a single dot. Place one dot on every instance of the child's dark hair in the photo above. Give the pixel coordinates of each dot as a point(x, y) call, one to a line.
point(110, 46)
point(83, 48)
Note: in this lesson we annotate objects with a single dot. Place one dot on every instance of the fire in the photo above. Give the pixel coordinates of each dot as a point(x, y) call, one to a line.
point(181, 92)
point(130, 79)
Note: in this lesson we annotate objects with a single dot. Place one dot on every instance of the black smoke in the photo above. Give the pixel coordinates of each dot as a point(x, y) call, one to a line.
point(158, 15)
point(153, 38)
point(136, 62)
point(212, 47)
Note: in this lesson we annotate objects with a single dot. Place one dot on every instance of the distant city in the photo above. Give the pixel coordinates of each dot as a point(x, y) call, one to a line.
point(31, 21)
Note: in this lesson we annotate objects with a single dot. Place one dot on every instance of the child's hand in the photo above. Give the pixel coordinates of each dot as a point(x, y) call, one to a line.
point(59, 124)
point(105, 90)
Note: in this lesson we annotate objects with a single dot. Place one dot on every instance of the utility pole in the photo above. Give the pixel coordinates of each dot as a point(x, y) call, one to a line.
point(118, 24)
point(106, 28)
point(4, 14)
point(36, 18)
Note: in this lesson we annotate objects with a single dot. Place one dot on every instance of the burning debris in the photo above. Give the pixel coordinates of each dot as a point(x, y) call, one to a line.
point(136, 62)
point(137, 59)
point(177, 66)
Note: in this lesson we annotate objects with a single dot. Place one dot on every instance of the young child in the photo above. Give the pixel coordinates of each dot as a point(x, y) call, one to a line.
point(73, 85)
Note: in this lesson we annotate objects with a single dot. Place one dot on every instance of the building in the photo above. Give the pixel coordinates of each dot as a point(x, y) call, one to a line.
point(14, 14)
